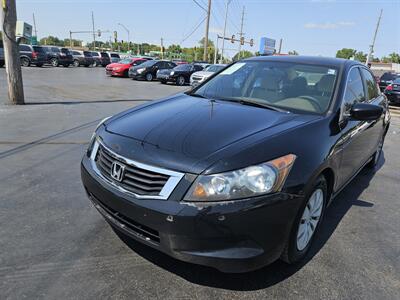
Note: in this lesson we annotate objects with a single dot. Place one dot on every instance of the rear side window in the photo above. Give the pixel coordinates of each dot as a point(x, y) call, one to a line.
point(95, 54)
point(65, 50)
point(354, 90)
point(87, 54)
point(370, 84)
point(103, 54)
point(24, 48)
point(114, 55)
point(38, 49)
point(54, 49)
point(75, 53)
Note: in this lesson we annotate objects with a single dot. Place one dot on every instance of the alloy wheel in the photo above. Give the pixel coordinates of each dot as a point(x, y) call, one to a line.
point(54, 62)
point(310, 218)
point(181, 80)
point(149, 77)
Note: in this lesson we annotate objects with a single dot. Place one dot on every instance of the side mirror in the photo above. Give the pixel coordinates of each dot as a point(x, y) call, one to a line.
point(366, 112)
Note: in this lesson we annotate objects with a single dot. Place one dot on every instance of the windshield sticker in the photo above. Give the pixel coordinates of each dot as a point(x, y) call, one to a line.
point(232, 69)
point(331, 71)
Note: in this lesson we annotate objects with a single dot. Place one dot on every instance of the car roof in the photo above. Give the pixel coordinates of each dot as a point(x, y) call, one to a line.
point(312, 60)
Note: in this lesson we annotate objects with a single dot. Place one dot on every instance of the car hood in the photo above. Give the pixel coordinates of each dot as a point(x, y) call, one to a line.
point(182, 132)
point(203, 74)
point(116, 65)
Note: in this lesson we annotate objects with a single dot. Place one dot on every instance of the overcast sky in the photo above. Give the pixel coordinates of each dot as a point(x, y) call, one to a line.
point(311, 27)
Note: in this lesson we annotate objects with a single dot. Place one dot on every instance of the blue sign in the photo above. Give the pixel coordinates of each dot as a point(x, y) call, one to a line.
point(267, 46)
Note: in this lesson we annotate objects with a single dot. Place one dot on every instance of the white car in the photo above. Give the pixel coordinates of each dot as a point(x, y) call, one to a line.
point(199, 77)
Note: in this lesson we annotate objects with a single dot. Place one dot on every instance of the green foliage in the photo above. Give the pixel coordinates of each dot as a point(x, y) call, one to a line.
point(394, 57)
point(346, 53)
point(242, 54)
point(360, 56)
point(51, 40)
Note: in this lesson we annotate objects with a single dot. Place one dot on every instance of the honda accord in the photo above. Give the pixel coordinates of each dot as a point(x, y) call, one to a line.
point(239, 171)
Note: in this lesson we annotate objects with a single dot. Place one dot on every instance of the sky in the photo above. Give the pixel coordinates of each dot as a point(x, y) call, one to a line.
point(311, 27)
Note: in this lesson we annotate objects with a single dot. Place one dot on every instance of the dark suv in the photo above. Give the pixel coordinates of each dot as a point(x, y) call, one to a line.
point(31, 55)
point(58, 56)
point(82, 58)
point(386, 79)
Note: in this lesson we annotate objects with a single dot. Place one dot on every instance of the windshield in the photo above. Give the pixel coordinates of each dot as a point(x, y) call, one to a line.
point(214, 68)
point(125, 61)
point(148, 63)
point(397, 81)
point(388, 76)
point(290, 86)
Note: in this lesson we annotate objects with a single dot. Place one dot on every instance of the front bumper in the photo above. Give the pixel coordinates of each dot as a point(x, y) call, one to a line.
point(236, 236)
point(115, 73)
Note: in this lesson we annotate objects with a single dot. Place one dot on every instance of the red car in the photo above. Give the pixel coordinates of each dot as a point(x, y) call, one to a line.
point(121, 68)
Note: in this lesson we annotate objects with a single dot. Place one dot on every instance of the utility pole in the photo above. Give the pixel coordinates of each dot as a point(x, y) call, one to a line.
point(127, 31)
point(11, 53)
point(280, 46)
point(162, 48)
point(70, 39)
point(94, 33)
point(205, 56)
point(226, 19)
point(371, 48)
point(241, 33)
point(34, 25)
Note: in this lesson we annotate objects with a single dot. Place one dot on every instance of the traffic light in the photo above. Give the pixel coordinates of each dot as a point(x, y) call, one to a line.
point(99, 33)
point(251, 42)
point(233, 38)
point(242, 40)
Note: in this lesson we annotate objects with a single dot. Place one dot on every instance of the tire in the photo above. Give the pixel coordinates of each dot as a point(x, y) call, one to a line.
point(95, 64)
point(54, 62)
point(180, 81)
point(25, 62)
point(76, 63)
point(163, 82)
point(149, 77)
point(377, 155)
point(39, 65)
point(305, 226)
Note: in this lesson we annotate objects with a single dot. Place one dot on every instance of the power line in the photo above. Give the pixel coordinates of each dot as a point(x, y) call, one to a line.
point(194, 30)
point(199, 5)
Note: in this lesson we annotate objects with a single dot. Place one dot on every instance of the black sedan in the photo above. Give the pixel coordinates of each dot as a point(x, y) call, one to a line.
point(386, 79)
point(239, 171)
point(180, 75)
point(392, 91)
point(149, 69)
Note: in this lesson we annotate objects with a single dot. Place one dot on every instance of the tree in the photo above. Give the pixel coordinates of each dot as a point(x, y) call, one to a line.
point(360, 56)
point(395, 58)
point(242, 54)
point(11, 53)
point(294, 52)
point(346, 53)
point(52, 40)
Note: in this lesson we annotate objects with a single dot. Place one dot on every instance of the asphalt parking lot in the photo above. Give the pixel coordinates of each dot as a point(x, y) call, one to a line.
point(55, 245)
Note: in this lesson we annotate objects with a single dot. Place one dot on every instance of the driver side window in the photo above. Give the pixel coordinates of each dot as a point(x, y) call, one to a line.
point(354, 92)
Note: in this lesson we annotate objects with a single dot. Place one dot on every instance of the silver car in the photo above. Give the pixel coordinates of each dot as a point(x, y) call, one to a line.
point(201, 76)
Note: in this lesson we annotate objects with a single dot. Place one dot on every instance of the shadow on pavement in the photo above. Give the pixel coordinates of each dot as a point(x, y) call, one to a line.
point(87, 101)
point(276, 272)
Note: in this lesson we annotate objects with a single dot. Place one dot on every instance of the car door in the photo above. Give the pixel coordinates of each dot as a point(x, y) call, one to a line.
point(354, 142)
point(373, 96)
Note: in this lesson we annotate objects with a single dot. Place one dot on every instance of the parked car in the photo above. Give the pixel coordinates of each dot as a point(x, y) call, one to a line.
point(105, 59)
point(201, 76)
point(121, 68)
point(31, 55)
point(149, 69)
point(114, 57)
point(392, 91)
point(96, 58)
point(179, 61)
point(58, 56)
point(386, 79)
point(82, 58)
point(235, 174)
point(180, 75)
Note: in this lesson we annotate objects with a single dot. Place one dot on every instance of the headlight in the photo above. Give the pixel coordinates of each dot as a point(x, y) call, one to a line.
point(117, 69)
point(140, 70)
point(252, 181)
point(172, 73)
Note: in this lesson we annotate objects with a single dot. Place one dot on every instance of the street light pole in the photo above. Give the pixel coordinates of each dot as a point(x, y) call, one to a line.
point(223, 39)
point(127, 31)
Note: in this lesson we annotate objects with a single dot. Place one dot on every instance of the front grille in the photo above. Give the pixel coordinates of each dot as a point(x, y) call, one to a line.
point(136, 180)
point(126, 223)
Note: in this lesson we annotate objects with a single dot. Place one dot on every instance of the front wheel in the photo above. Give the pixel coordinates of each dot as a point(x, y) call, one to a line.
point(180, 81)
point(76, 63)
point(95, 64)
point(54, 62)
point(149, 77)
point(307, 222)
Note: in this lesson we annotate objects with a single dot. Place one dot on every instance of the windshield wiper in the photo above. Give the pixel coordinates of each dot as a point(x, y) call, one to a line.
point(256, 104)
